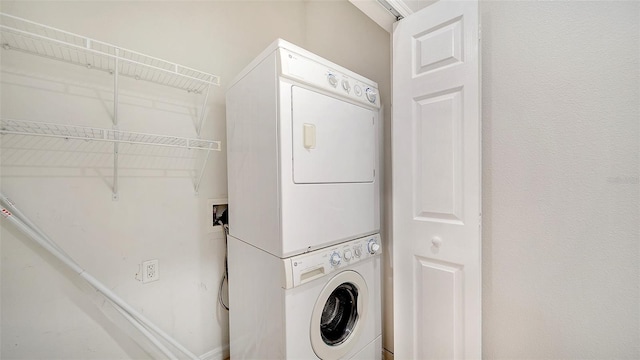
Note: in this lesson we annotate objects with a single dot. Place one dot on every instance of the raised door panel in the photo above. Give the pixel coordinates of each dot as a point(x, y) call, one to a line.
point(437, 141)
point(439, 292)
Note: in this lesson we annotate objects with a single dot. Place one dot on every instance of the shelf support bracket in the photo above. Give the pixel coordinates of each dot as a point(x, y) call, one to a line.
point(115, 196)
point(115, 88)
point(204, 106)
point(204, 165)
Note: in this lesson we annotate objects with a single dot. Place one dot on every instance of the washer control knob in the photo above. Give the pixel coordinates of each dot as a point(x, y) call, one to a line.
point(357, 90)
point(371, 95)
point(335, 259)
point(373, 246)
point(333, 81)
point(357, 251)
point(347, 255)
point(346, 86)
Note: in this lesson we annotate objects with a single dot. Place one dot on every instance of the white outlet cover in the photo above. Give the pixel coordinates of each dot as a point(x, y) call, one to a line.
point(150, 271)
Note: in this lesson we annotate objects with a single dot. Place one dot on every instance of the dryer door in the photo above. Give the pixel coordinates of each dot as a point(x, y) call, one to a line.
point(333, 140)
point(339, 315)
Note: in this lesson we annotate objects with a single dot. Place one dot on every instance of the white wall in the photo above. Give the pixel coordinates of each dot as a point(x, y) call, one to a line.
point(561, 105)
point(66, 186)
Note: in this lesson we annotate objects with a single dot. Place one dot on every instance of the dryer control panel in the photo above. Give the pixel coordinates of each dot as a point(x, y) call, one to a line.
point(303, 268)
point(322, 74)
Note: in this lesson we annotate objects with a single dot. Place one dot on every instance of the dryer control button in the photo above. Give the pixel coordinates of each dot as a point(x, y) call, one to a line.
point(358, 251)
point(335, 259)
point(347, 255)
point(373, 246)
point(346, 86)
point(357, 90)
point(333, 81)
point(371, 95)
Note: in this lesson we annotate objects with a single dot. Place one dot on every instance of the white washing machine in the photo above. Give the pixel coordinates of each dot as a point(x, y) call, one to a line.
point(302, 151)
point(325, 304)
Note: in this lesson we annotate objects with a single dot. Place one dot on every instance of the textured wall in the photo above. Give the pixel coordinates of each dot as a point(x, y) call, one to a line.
point(561, 196)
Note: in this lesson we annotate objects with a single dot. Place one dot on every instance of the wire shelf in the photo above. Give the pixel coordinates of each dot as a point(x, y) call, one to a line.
point(33, 128)
point(34, 38)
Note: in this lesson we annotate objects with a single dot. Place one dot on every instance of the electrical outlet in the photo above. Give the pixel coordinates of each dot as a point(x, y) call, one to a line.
point(150, 271)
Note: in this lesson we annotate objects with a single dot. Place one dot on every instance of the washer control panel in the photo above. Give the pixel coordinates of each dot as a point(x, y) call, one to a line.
point(307, 267)
point(329, 77)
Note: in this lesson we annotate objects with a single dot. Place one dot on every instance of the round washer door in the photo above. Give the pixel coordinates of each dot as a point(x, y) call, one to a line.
point(339, 315)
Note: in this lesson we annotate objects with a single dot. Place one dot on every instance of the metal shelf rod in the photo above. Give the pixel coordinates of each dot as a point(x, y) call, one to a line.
point(118, 136)
point(115, 195)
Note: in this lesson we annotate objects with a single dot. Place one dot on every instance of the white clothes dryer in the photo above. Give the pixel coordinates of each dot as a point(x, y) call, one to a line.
point(303, 152)
point(325, 304)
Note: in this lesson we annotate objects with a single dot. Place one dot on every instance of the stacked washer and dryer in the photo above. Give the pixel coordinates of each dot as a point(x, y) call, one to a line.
point(304, 209)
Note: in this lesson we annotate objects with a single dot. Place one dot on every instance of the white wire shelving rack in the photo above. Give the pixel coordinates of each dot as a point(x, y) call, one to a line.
point(34, 38)
point(35, 128)
point(37, 39)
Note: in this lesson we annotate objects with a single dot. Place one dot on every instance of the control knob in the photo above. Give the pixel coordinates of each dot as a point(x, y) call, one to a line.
point(335, 259)
point(373, 246)
point(346, 86)
point(333, 81)
point(347, 255)
point(358, 251)
point(357, 90)
point(371, 95)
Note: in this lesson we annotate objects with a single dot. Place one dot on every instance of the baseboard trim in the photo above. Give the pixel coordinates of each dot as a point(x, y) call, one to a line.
point(220, 353)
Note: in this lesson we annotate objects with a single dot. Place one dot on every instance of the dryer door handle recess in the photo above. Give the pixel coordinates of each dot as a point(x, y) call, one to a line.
point(309, 136)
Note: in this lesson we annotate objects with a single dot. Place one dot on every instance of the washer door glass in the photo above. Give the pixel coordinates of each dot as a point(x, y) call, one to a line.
point(340, 314)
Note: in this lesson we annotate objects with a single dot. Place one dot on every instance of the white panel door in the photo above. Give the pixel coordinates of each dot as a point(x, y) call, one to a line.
point(436, 154)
